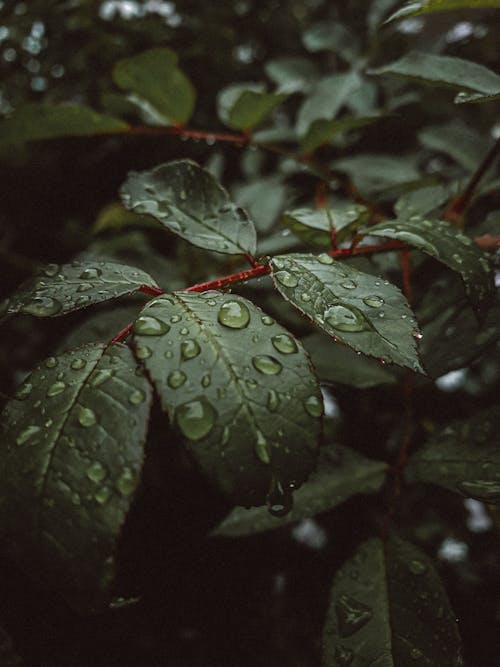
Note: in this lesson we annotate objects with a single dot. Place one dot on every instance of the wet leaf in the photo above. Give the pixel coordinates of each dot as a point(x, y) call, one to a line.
point(263, 198)
point(313, 225)
point(154, 76)
point(332, 36)
point(340, 474)
point(422, 201)
point(448, 245)
point(251, 107)
point(430, 6)
point(189, 201)
point(61, 289)
point(463, 457)
point(388, 607)
point(33, 122)
point(366, 312)
point(115, 217)
point(457, 140)
point(237, 386)
point(322, 131)
point(72, 455)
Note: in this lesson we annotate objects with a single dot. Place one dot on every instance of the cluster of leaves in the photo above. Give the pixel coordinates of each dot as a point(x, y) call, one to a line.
point(238, 389)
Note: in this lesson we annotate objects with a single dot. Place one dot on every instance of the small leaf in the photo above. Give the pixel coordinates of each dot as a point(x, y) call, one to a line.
point(339, 364)
point(363, 311)
point(33, 122)
point(72, 455)
point(457, 140)
point(332, 36)
point(263, 198)
point(237, 386)
point(430, 6)
point(463, 457)
point(447, 244)
point(378, 9)
point(116, 218)
point(340, 474)
point(251, 108)
point(443, 72)
point(374, 173)
point(313, 225)
point(189, 201)
point(388, 607)
point(58, 290)
point(322, 131)
point(292, 75)
point(154, 76)
point(422, 201)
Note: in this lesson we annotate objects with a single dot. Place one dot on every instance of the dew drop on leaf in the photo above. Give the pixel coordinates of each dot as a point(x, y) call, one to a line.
point(175, 318)
point(352, 615)
point(78, 364)
point(325, 259)
point(27, 434)
point(24, 391)
point(415, 654)
point(273, 400)
point(346, 319)
point(206, 380)
point(314, 406)
point(481, 489)
point(96, 472)
point(143, 352)
point(176, 379)
point(84, 287)
point(374, 301)
point(86, 417)
point(137, 397)
point(126, 482)
point(51, 362)
point(284, 344)
point(234, 314)
point(261, 448)
point(100, 377)
point(286, 278)
point(90, 274)
point(196, 418)
point(56, 388)
point(146, 325)
point(189, 349)
point(41, 306)
point(348, 284)
point(417, 567)
point(266, 364)
point(102, 495)
point(266, 320)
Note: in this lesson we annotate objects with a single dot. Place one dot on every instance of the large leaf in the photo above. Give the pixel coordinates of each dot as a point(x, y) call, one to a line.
point(444, 72)
point(340, 474)
point(447, 244)
point(429, 6)
point(237, 386)
point(58, 290)
point(388, 607)
point(373, 172)
point(154, 76)
point(189, 201)
point(72, 443)
point(32, 122)
point(332, 36)
point(463, 457)
point(313, 225)
point(368, 313)
point(322, 131)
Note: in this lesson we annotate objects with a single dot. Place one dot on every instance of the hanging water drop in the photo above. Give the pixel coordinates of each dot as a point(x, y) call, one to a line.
point(41, 306)
point(196, 418)
point(279, 500)
point(51, 270)
point(234, 314)
point(266, 364)
point(261, 448)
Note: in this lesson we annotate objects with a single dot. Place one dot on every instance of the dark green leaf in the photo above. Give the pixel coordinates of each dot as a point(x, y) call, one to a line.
point(447, 244)
point(322, 131)
point(263, 198)
point(251, 108)
point(115, 217)
point(422, 201)
point(463, 457)
point(474, 98)
point(367, 313)
point(313, 225)
point(332, 36)
point(374, 173)
point(292, 75)
point(72, 456)
point(189, 201)
point(378, 10)
point(388, 607)
point(154, 76)
point(237, 386)
point(32, 122)
point(58, 290)
point(338, 363)
point(341, 473)
point(457, 140)
point(429, 6)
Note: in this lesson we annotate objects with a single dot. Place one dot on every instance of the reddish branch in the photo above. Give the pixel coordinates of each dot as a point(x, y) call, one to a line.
point(183, 132)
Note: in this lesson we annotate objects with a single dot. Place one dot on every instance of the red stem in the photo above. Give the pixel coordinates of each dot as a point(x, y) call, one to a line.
point(228, 137)
point(226, 281)
point(151, 291)
point(121, 335)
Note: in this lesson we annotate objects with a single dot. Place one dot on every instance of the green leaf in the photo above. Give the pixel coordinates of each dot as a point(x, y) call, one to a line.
point(367, 313)
point(388, 607)
point(313, 225)
point(72, 455)
point(430, 6)
point(332, 36)
point(189, 201)
point(463, 457)
point(251, 108)
point(340, 474)
point(263, 198)
point(378, 9)
point(322, 131)
point(474, 98)
point(326, 99)
point(33, 122)
point(373, 173)
point(340, 364)
point(293, 74)
point(58, 290)
point(154, 76)
point(422, 201)
point(447, 244)
point(443, 72)
point(237, 386)
point(457, 140)
point(115, 217)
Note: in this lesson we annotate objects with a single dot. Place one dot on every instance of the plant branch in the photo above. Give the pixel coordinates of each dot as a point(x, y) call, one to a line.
point(240, 139)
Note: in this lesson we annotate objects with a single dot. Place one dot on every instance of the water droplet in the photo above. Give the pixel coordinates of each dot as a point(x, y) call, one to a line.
point(96, 472)
point(196, 418)
point(417, 567)
point(175, 318)
point(348, 319)
point(143, 352)
point(286, 278)
point(457, 258)
point(481, 489)
point(86, 416)
point(24, 391)
point(314, 406)
point(348, 284)
point(91, 273)
point(27, 434)
point(279, 500)
point(189, 349)
point(261, 449)
point(325, 259)
point(206, 380)
point(137, 397)
point(225, 436)
point(266, 320)
point(251, 384)
point(51, 362)
point(100, 377)
point(284, 343)
point(78, 364)
point(146, 325)
point(234, 314)
point(176, 379)
point(374, 301)
point(84, 287)
point(351, 614)
point(415, 654)
point(305, 296)
point(266, 364)
point(56, 388)
point(102, 495)
point(51, 270)
point(273, 400)
point(41, 306)
point(126, 482)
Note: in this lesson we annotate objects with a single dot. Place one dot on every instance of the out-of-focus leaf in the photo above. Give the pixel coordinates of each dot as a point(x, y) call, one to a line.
point(388, 607)
point(293, 74)
point(376, 13)
point(373, 173)
point(72, 443)
point(58, 290)
point(332, 36)
point(154, 76)
point(190, 202)
point(366, 312)
point(463, 457)
point(422, 201)
point(338, 363)
point(340, 474)
point(33, 122)
point(313, 225)
point(447, 244)
point(238, 387)
point(115, 217)
point(251, 108)
point(474, 98)
point(429, 6)
point(322, 131)
point(457, 140)
point(263, 198)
